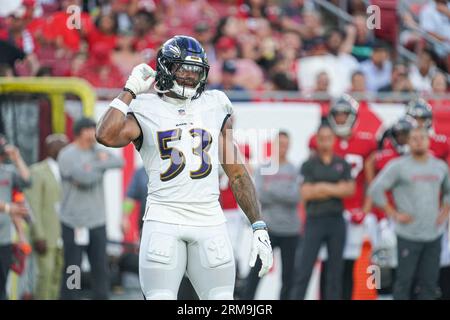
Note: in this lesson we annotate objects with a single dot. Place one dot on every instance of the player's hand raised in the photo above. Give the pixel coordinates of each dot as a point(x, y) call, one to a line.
point(141, 79)
point(261, 247)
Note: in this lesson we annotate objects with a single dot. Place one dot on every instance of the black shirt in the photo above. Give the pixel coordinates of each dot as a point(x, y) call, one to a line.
point(313, 171)
point(10, 53)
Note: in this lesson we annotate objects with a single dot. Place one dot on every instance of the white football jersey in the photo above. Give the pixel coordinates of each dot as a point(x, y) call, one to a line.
point(180, 152)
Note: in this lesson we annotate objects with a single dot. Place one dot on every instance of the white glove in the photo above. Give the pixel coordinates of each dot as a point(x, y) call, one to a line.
point(141, 79)
point(261, 246)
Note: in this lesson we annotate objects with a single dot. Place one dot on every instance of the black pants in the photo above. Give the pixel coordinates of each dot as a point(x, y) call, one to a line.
point(417, 261)
point(347, 280)
point(444, 283)
point(5, 264)
point(319, 230)
point(288, 246)
point(96, 251)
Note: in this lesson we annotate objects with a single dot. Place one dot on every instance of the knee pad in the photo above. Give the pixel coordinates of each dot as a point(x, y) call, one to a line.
point(217, 251)
point(160, 295)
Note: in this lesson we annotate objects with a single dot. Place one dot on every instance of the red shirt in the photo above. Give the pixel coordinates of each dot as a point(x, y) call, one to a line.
point(227, 199)
point(355, 151)
point(96, 37)
point(439, 146)
point(56, 27)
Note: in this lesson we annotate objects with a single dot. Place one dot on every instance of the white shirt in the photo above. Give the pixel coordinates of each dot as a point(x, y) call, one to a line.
point(376, 78)
point(419, 82)
point(338, 68)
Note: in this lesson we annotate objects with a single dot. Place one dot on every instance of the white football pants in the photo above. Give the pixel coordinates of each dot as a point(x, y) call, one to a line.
point(167, 251)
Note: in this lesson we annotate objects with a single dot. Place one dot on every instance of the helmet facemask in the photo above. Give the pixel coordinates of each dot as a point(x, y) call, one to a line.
point(345, 105)
point(420, 112)
point(182, 68)
point(187, 79)
point(342, 129)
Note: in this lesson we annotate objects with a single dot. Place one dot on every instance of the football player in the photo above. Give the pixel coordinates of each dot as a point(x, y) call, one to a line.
point(355, 147)
point(183, 133)
point(421, 113)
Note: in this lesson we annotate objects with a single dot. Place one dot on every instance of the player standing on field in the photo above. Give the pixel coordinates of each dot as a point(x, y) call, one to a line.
point(182, 134)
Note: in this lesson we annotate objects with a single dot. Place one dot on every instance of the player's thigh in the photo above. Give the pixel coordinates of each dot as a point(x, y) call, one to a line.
point(162, 260)
point(211, 266)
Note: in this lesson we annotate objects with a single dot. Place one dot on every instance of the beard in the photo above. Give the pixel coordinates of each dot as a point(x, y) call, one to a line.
point(419, 152)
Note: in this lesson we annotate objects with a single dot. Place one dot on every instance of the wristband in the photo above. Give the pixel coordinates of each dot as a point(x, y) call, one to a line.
point(259, 225)
point(131, 92)
point(119, 105)
point(7, 208)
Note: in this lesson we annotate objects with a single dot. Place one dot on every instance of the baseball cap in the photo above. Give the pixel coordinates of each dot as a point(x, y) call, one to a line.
point(225, 43)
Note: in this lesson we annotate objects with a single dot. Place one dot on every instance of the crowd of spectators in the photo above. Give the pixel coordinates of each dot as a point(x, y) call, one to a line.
point(251, 44)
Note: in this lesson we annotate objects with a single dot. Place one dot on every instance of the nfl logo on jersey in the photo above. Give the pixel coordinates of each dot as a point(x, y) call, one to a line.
point(181, 112)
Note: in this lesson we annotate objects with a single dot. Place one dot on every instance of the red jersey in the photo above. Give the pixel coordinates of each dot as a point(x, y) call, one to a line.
point(355, 151)
point(439, 146)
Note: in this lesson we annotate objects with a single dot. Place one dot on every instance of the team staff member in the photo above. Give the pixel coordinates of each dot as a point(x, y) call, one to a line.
point(417, 181)
point(327, 180)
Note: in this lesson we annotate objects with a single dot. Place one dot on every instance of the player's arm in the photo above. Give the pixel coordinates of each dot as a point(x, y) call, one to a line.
point(116, 128)
point(245, 193)
point(240, 181)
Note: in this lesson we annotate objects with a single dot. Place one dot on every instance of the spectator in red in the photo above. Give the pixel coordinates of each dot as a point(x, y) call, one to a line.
point(104, 32)
point(16, 31)
point(99, 70)
point(56, 30)
point(248, 74)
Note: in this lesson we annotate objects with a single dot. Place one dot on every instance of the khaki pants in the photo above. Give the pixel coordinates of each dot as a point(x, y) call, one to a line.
point(49, 274)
